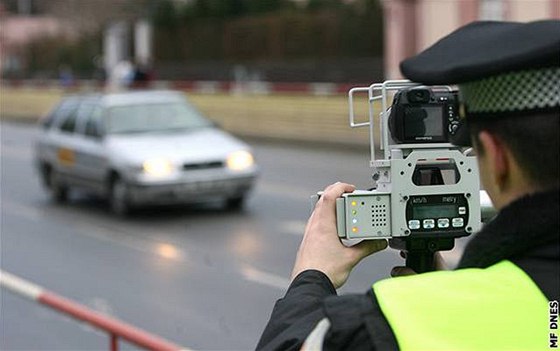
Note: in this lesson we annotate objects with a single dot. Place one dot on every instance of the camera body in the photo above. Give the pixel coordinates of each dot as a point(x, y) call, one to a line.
point(420, 115)
point(400, 206)
point(426, 191)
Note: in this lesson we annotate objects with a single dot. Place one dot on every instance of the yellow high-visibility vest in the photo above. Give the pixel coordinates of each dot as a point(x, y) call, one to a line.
point(495, 308)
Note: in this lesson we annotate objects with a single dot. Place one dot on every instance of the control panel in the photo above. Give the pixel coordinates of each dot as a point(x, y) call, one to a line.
point(437, 213)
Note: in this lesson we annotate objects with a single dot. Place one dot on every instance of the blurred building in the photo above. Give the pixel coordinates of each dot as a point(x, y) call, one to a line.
point(413, 25)
point(18, 30)
point(36, 33)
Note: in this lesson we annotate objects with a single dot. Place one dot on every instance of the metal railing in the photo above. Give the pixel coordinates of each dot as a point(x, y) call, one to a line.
point(115, 328)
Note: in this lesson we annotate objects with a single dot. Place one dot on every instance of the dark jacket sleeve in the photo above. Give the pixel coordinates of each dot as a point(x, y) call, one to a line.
point(297, 313)
point(357, 322)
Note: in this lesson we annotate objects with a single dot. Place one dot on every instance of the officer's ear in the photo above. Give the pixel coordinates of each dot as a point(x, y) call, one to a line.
point(495, 156)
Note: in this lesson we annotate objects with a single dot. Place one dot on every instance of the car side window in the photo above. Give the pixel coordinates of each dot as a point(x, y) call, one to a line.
point(69, 123)
point(59, 113)
point(93, 123)
point(82, 116)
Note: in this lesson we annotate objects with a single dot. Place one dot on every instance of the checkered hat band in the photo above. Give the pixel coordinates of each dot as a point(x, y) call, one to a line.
point(512, 92)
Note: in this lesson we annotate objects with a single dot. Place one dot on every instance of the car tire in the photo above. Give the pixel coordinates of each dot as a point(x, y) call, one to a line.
point(58, 191)
point(118, 198)
point(235, 203)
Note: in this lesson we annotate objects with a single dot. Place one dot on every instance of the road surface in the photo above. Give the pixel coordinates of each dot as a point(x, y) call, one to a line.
point(200, 276)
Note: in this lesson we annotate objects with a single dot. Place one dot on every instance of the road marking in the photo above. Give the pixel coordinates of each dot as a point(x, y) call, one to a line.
point(272, 280)
point(98, 230)
point(16, 152)
point(24, 211)
point(296, 227)
point(297, 193)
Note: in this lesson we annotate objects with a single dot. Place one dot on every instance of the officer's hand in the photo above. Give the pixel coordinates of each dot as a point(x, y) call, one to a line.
point(401, 271)
point(321, 248)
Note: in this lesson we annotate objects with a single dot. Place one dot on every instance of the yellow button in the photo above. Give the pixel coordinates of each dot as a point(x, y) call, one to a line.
point(354, 229)
point(354, 203)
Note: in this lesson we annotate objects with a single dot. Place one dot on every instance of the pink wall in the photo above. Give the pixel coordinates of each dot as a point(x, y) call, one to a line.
point(412, 24)
point(16, 31)
point(400, 34)
point(468, 11)
point(555, 9)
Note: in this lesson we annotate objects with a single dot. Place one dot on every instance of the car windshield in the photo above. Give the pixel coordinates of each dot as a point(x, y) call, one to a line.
point(152, 117)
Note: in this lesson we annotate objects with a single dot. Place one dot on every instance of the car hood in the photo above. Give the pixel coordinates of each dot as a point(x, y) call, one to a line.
point(208, 144)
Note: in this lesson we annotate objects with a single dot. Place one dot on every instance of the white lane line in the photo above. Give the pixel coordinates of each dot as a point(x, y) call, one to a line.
point(172, 252)
point(120, 237)
point(99, 231)
point(16, 152)
point(295, 227)
point(264, 278)
point(297, 193)
point(24, 211)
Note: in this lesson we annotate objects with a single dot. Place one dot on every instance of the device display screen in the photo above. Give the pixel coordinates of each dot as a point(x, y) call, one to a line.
point(434, 211)
point(425, 121)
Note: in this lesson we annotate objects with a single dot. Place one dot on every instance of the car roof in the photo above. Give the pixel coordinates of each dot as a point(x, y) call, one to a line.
point(132, 97)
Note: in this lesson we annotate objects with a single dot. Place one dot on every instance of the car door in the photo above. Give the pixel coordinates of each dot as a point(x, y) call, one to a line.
point(61, 145)
point(91, 159)
point(47, 142)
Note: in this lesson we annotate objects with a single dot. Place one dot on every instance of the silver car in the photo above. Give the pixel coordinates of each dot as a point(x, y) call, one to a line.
point(139, 148)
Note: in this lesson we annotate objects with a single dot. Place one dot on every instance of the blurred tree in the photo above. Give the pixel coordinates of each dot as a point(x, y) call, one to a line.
point(267, 6)
point(92, 15)
point(47, 55)
point(317, 5)
point(361, 29)
point(22, 7)
point(165, 18)
point(269, 29)
point(198, 9)
point(165, 15)
point(231, 31)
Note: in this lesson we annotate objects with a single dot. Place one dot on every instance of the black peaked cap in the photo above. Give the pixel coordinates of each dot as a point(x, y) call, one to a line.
point(486, 48)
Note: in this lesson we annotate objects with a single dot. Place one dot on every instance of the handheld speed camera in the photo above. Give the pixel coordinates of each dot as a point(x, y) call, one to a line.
point(425, 190)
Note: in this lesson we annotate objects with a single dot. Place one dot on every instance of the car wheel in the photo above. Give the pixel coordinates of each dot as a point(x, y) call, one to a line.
point(59, 191)
point(235, 203)
point(118, 198)
point(46, 175)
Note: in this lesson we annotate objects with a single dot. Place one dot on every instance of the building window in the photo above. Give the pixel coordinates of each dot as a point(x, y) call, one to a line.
point(492, 10)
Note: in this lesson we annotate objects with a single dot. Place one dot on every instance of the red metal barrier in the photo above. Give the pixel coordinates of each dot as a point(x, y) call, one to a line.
point(115, 328)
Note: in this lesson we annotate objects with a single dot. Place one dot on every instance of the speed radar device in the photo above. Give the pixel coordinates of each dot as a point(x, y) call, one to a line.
point(426, 190)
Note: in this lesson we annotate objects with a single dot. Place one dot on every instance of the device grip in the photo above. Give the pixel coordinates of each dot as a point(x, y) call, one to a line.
point(420, 261)
point(420, 252)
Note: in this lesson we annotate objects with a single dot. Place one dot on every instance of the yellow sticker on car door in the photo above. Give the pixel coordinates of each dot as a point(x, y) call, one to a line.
point(66, 157)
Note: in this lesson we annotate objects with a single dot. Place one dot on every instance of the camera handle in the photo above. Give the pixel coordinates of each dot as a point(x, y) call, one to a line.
point(420, 251)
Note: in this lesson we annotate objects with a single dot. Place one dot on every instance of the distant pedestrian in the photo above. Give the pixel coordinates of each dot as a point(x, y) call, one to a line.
point(121, 75)
point(65, 76)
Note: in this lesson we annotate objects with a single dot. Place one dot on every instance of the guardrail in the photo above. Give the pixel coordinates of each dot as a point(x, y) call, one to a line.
point(115, 328)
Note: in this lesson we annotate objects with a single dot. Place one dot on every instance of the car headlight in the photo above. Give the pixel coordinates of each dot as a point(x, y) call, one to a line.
point(158, 167)
point(240, 160)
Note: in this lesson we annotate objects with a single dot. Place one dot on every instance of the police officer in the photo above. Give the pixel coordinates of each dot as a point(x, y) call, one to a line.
point(497, 298)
